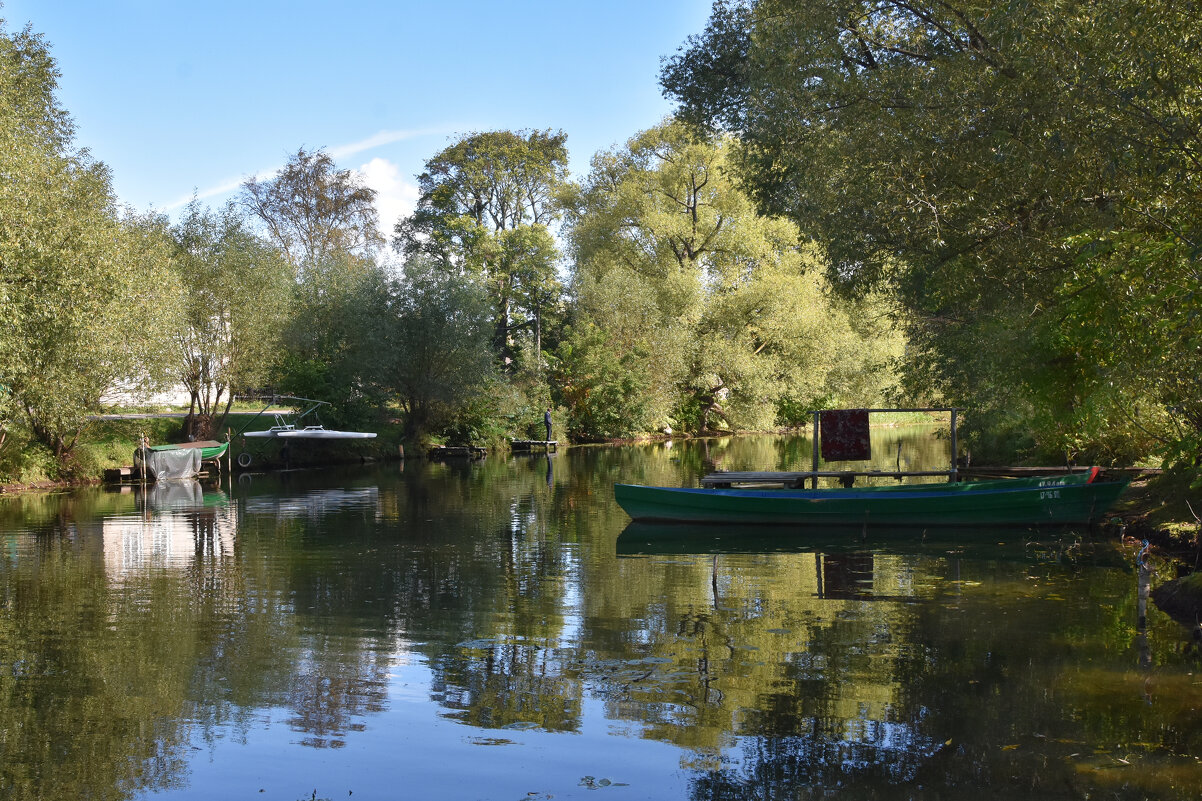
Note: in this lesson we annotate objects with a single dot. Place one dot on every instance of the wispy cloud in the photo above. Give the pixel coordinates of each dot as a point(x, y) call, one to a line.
point(223, 188)
point(338, 152)
point(380, 139)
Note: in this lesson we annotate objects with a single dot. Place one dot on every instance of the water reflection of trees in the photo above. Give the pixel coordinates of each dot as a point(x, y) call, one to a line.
point(90, 688)
point(775, 672)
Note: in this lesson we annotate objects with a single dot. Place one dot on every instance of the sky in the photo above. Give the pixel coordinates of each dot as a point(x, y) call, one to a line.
point(181, 98)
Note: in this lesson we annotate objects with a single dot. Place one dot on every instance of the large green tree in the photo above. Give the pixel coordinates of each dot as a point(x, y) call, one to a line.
point(86, 293)
point(1022, 177)
point(690, 300)
point(438, 332)
point(486, 208)
point(334, 345)
point(325, 219)
point(238, 291)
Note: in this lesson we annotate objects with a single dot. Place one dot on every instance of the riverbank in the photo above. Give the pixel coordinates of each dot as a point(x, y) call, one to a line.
point(1159, 509)
point(112, 439)
point(1153, 508)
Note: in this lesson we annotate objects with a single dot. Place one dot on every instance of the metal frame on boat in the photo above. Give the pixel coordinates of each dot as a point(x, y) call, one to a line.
point(286, 430)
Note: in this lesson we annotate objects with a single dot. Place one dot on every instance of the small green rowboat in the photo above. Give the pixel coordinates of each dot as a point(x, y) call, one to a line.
point(209, 449)
point(1070, 498)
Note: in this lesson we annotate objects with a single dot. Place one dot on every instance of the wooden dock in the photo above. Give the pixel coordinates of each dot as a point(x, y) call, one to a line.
point(118, 475)
point(132, 475)
point(534, 444)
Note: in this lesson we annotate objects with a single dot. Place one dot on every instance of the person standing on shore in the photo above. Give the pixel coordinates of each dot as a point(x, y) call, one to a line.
point(547, 420)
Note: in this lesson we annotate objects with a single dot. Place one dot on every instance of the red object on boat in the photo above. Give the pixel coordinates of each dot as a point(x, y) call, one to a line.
point(845, 435)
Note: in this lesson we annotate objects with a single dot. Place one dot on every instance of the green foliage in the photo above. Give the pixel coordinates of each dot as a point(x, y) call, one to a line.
point(238, 291)
point(333, 347)
point(23, 460)
point(620, 362)
point(439, 360)
point(489, 415)
point(486, 206)
point(1018, 178)
point(325, 220)
point(711, 312)
point(79, 284)
point(1132, 310)
point(606, 388)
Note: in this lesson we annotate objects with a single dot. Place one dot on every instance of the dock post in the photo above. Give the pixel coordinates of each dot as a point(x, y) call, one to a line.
point(955, 451)
point(814, 467)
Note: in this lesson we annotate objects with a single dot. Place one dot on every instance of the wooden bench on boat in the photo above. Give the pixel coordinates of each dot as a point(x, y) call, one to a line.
point(796, 480)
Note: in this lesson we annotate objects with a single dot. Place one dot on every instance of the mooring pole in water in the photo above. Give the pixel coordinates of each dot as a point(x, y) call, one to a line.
point(1144, 572)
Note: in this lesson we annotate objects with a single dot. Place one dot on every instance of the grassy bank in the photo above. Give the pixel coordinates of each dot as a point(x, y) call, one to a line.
point(1164, 510)
point(108, 444)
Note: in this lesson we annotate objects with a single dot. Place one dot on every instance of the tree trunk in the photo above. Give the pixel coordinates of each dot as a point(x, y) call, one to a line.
point(538, 337)
point(229, 401)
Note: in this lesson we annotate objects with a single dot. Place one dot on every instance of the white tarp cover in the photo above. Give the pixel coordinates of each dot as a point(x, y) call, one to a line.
point(169, 464)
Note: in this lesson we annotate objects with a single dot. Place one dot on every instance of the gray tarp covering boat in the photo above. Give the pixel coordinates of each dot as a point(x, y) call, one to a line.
point(161, 465)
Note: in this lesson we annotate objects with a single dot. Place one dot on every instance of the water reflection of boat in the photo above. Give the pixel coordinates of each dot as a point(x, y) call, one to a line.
point(178, 525)
point(314, 504)
point(182, 495)
point(1043, 544)
point(1074, 498)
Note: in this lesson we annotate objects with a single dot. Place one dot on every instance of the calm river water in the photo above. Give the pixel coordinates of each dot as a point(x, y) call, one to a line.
point(496, 630)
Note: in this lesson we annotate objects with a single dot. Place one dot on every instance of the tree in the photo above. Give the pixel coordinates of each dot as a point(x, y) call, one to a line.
point(333, 345)
point(84, 292)
point(314, 211)
point(238, 294)
point(438, 334)
point(486, 205)
point(325, 220)
point(1004, 171)
point(727, 304)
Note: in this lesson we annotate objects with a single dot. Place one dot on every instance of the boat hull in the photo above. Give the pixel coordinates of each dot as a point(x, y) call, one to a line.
point(308, 433)
point(1038, 501)
point(302, 433)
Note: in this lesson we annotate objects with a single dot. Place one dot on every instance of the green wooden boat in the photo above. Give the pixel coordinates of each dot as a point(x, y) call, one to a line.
point(1061, 499)
point(209, 449)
